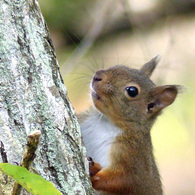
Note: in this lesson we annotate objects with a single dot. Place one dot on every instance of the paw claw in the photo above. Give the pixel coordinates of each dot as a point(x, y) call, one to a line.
point(91, 162)
point(89, 158)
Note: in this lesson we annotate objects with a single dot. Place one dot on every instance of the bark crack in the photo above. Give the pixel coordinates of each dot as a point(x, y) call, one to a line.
point(55, 175)
point(3, 153)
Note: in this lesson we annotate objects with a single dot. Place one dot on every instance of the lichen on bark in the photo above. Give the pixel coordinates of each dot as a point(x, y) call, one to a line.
point(33, 97)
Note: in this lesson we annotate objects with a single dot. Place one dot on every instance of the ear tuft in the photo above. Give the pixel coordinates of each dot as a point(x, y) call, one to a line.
point(149, 67)
point(163, 96)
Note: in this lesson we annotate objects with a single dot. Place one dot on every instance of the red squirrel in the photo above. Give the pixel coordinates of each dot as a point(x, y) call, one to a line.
point(116, 131)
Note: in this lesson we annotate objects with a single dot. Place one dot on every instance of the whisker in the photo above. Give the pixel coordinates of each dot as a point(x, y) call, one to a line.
point(99, 46)
point(77, 78)
point(99, 119)
point(89, 67)
point(67, 34)
point(96, 65)
point(124, 62)
point(103, 64)
point(84, 74)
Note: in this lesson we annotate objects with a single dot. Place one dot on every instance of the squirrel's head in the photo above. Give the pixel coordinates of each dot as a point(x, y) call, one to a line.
point(128, 95)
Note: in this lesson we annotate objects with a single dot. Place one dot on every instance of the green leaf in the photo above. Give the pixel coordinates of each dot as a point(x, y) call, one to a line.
point(34, 183)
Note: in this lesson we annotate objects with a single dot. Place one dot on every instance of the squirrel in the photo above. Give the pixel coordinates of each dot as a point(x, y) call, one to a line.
point(116, 130)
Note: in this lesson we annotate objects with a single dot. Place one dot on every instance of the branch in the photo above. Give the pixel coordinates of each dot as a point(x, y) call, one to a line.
point(29, 155)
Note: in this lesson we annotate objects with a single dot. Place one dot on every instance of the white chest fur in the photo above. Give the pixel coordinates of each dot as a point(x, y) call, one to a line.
point(98, 134)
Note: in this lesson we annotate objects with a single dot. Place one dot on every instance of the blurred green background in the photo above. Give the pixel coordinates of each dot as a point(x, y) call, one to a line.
point(91, 34)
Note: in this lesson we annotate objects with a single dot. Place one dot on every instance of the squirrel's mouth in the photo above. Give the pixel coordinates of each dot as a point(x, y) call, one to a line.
point(95, 95)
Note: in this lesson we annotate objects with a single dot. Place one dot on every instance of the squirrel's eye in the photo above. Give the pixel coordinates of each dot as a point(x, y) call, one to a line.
point(132, 91)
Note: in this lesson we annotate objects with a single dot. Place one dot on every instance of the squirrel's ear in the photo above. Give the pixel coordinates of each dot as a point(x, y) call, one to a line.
point(150, 66)
point(162, 97)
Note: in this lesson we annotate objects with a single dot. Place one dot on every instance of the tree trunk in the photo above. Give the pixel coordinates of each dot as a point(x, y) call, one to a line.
point(33, 97)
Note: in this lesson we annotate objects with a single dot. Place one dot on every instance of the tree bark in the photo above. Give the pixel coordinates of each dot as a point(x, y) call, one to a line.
point(33, 97)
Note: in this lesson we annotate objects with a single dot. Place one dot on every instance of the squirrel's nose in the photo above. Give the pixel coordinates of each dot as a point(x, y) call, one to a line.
point(98, 76)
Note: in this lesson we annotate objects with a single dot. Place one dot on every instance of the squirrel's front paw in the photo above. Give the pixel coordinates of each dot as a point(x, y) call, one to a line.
point(91, 162)
point(93, 167)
